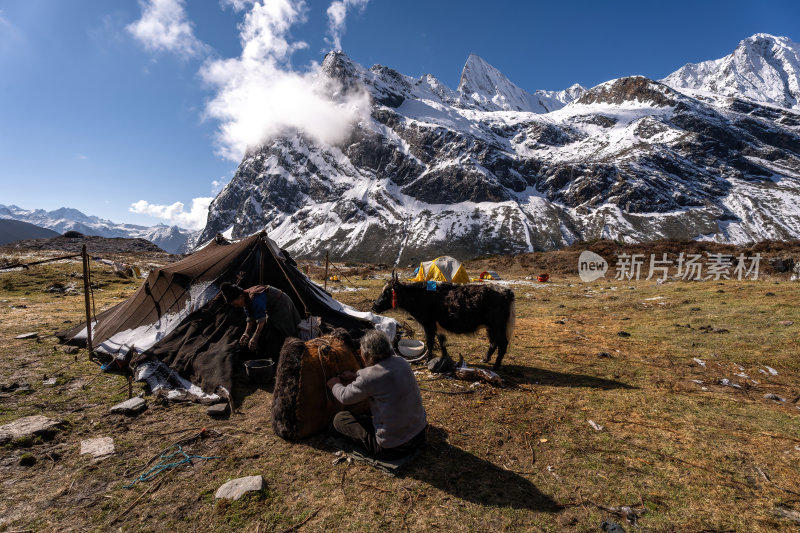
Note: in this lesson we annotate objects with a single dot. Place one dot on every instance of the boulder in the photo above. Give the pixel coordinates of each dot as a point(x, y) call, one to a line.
point(218, 410)
point(236, 488)
point(130, 407)
point(27, 427)
point(99, 448)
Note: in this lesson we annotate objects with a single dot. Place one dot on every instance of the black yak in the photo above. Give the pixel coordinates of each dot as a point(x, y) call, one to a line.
point(454, 309)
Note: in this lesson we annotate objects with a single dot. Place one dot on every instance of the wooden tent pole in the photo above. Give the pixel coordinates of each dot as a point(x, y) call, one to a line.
point(87, 299)
point(326, 270)
point(262, 248)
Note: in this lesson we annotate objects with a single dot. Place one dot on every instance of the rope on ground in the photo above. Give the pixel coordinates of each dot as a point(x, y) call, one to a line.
point(152, 488)
point(167, 463)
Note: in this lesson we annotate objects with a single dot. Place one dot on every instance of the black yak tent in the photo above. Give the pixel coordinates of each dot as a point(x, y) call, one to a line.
point(177, 317)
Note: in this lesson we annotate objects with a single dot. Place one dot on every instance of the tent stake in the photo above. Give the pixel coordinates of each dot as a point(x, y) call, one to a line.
point(326, 270)
point(87, 298)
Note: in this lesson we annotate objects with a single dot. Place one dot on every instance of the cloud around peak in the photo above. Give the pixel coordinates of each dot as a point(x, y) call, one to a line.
point(259, 96)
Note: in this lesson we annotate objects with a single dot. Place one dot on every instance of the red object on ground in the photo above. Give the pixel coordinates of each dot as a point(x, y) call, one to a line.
point(543, 277)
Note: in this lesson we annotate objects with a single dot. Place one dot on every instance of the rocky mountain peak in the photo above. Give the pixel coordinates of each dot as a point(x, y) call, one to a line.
point(762, 68)
point(485, 87)
point(630, 89)
point(68, 213)
point(346, 74)
point(766, 44)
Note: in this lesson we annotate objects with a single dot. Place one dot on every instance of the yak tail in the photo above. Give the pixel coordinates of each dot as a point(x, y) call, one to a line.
point(512, 321)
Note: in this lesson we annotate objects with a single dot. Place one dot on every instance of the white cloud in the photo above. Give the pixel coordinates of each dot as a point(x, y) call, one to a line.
point(337, 14)
point(217, 185)
point(259, 96)
point(237, 5)
point(175, 213)
point(163, 27)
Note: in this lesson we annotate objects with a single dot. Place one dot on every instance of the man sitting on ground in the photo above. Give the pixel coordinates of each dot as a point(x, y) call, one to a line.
point(266, 308)
point(395, 426)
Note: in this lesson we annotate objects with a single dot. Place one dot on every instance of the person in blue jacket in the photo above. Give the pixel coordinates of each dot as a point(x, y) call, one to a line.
point(271, 316)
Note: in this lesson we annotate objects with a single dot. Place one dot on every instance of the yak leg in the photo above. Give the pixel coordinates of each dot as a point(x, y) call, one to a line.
point(488, 356)
point(430, 340)
point(502, 346)
point(492, 345)
point(442, 340)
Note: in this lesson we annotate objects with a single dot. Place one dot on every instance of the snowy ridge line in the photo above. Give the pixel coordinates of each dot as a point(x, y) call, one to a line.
point(481, 169)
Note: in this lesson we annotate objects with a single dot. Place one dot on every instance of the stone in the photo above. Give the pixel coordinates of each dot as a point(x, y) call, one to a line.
point(50, 382)
point(130, 407)
point(27, 427)
point(623, 334)
point(99, 448)
point(71, 349)
point(236, 488)
point(218, 410)
point(791, 514)
point(31, 335)
point(774, 397)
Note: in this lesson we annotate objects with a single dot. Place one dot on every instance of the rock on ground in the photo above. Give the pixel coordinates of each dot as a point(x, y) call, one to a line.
point(129, 407)
point(218, 410)
point(27, 427)
point(99, 448)
point(236, 488)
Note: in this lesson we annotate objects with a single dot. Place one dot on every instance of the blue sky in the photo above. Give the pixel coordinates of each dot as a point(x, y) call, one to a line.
point(96, 117)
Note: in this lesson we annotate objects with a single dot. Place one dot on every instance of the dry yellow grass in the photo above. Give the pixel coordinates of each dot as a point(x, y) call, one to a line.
point(695, 456)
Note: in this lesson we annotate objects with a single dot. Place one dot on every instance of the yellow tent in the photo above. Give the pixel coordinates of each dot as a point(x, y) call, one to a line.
point(443, 268)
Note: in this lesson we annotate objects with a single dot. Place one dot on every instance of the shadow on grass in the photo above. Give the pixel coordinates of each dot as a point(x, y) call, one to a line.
point(462, 475)
point(468, 477)
point(516, 374)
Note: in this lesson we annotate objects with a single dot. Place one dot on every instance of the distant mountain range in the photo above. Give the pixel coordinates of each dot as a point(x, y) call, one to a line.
point(711, 152)
point(171, 239)
point(16, 230)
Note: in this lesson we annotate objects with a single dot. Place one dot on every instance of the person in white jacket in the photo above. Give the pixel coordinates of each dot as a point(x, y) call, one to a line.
point(396, 424)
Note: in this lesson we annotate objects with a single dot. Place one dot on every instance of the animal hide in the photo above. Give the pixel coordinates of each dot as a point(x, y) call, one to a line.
point(302, 404)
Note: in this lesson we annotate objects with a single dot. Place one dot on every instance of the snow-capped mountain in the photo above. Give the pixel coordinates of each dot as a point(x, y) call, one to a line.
point(484, 87)
point(763, 68)
point(491, 168)
point(171, 239)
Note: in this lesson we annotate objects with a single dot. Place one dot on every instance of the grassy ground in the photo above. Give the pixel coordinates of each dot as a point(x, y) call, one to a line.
point(695, 454)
